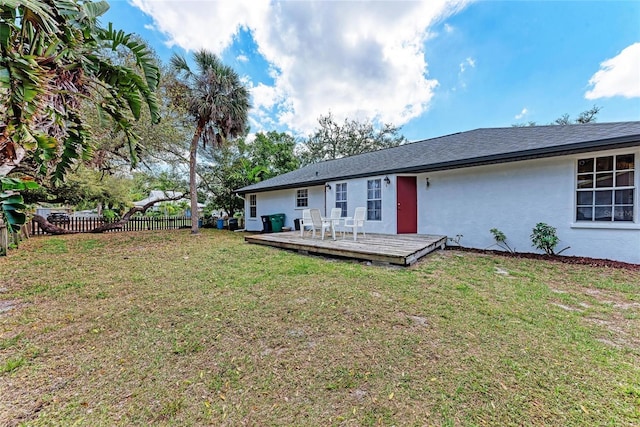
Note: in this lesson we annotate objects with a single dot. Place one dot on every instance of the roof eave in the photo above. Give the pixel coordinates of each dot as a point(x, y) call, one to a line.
point(577, 148)
point(281, 187)
point(608, 144)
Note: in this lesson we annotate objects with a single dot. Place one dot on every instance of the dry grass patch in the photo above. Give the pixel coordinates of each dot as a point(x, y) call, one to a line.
point(173, 329)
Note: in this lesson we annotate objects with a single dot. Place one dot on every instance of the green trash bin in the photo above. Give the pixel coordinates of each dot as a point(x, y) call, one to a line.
point(277, 222)
point(281, 219)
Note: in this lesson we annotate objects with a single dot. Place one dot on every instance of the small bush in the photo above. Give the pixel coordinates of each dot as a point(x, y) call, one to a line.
point(544, 237)
point(501, 240)
point(108, 214)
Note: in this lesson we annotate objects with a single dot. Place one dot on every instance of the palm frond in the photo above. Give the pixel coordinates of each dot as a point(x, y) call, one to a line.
point(51, 57)
point(75, 146)
point(144, 57)
point(180, 65)
point(34, 12)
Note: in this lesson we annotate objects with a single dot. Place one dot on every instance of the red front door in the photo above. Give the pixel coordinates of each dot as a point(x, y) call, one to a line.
point(407, 205)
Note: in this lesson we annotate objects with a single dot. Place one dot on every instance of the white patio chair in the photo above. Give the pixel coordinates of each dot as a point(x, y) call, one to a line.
point(355, 223)
point(319, 224)
point(305, 221)
point(335, 218)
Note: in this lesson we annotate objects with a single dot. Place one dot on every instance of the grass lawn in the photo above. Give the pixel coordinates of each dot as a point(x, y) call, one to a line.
point(167, 328)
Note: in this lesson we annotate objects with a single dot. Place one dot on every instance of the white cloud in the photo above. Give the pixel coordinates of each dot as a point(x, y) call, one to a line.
point(462, 83)
point(361, 60)
point(242, 58)
point(263, 96)
point(523, 113)
point(618, 76)
point(470, 62)
point(196, 24)
point(448, 29)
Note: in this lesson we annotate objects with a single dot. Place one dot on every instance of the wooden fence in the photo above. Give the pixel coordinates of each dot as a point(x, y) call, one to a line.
point(4, 238)
point(85, 225)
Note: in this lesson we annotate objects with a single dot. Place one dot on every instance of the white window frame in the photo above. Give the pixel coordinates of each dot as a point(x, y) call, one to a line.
point(341, 197)
point(253, 205)
point(594, 181)
point(302, 198)
point(374, 195)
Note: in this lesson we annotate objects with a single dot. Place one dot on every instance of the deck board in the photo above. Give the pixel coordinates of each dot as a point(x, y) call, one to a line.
point(398, 249)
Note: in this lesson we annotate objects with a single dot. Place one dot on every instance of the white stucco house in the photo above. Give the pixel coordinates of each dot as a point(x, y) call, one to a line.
point(580, 179)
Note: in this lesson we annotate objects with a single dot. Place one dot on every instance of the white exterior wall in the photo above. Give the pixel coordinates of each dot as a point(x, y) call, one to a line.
point(357, 197)
point(281, 201)
point(514, 197)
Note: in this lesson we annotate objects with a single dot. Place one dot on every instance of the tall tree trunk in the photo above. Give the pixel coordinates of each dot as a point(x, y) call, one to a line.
point(193, 190)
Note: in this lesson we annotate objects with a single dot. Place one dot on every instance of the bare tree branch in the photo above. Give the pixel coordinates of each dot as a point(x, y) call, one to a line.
point(47, 227)
point(126, 217)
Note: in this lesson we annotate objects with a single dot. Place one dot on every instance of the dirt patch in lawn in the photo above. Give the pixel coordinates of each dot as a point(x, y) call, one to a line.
point(8, 305)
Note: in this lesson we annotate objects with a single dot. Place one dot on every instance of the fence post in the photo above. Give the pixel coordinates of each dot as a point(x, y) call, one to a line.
point(4, 238)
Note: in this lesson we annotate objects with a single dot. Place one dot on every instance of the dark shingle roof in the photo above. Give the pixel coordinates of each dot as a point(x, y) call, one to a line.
point(471, 148)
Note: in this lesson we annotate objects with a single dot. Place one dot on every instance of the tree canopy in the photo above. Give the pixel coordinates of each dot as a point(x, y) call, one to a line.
point(587, 116)
point(243, 163)
point(333, 140)
point(274, 153)
point(54, 56)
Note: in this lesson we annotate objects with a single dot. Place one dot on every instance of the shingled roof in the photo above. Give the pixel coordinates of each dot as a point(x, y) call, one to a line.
point(464, 149)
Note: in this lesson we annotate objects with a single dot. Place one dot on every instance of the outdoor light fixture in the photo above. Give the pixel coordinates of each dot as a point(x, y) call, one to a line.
point(387, 181)
point(327, 186)
point(428, 182)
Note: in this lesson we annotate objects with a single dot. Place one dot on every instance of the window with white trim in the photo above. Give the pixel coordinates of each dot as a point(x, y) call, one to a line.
point(605, 188)
point(374, 200)
point(253, 206)
point(302, 198)
point(341, 198)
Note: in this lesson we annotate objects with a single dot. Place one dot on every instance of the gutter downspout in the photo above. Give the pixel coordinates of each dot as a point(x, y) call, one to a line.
point(325, 200)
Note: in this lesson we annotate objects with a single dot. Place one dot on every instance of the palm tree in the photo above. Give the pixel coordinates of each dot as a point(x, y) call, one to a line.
point(218, 102)
point(53, 57)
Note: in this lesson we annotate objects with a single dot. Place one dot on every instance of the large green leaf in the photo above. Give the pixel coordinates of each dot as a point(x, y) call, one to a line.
point(52, 58)
point(12, 203)
point(143, 55)
point(95, 9)
point(7, 17)
point(34, 12)
point(14, 218)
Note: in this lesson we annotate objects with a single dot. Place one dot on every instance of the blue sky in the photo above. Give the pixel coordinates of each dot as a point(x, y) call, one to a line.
point(432, 67)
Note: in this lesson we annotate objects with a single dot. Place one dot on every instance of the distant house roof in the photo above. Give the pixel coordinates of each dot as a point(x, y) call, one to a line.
point(464, 149)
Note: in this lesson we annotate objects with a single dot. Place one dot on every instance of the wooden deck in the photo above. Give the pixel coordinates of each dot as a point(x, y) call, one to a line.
point(398, 249)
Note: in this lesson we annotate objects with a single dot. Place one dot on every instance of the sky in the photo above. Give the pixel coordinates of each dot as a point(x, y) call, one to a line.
point(431, 67)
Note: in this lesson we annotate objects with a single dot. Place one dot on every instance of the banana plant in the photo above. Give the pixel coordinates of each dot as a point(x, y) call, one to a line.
point(54, 56)
point(12, 203)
